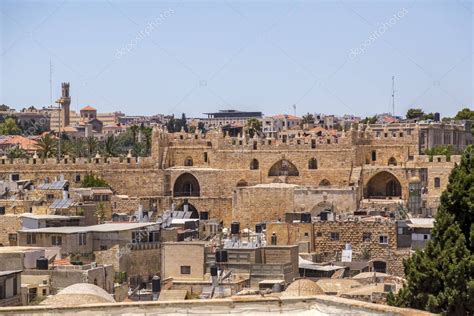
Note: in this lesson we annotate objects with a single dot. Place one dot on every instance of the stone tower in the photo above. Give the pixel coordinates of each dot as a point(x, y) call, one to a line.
point(65, 102)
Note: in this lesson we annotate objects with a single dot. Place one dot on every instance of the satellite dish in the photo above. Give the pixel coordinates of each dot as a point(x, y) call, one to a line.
point(159, 220)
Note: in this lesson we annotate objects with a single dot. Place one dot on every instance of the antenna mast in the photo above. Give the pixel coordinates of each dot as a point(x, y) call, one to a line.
point(393, 95)
point(50, 83)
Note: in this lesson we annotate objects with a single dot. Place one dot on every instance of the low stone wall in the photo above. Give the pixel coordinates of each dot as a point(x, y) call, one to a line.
point(314, 305)
point(9, 224)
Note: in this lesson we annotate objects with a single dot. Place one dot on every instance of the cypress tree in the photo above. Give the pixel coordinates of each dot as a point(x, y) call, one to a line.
point(440, 278)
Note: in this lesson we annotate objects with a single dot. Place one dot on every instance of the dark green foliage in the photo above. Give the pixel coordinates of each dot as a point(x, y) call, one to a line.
point(440, 278)
point(253, 126)
point(440, 150)
point(370, 120)
point(419, 114)
point(175, 125)
point(308, 119)
point(92, 181)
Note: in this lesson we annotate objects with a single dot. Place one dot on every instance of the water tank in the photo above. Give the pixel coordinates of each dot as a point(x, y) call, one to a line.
point(274, 239)
point(221, 255)
point(156, 284)
point(204, 215)
point(213, 270)
point(235, 228)
point(306, 217)
point(42, 263)
point(437, 117)
point(258, 228)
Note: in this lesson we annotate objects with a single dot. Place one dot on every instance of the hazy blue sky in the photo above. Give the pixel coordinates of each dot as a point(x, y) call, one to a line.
point(324, 56)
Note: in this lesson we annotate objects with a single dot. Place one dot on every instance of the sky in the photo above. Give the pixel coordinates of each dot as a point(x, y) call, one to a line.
point(150, 57)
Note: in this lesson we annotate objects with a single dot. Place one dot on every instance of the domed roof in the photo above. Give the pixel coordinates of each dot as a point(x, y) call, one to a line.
point(414, 179)
point(303, 287)
point(79, 294)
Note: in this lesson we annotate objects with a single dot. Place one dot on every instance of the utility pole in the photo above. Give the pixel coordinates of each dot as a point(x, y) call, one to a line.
point(393, 95)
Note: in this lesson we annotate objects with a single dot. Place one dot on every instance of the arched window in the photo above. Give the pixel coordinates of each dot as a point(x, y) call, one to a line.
point(188, 161)
point(283, 168)
point(186, 185)
point(392, 162)
point(383, 185)
point(313, 163)
point(254, 164)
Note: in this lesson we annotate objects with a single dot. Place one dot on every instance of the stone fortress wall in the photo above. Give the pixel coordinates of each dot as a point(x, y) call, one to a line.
point(232, 177)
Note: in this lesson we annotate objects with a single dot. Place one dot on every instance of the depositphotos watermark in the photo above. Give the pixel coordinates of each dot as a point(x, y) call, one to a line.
point(144, 33)
point(375, 35)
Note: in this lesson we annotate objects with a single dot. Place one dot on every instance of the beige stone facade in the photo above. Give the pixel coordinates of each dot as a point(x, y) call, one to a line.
point(236, 177)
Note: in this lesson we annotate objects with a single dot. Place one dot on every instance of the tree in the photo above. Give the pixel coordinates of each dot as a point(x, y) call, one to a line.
point(253, 126)
point(78, 148)
point(440, 277)
point(370, 120)
point(415, 114)
point(110, 146)
point(134, 131)
point(308, 119)
point(16, 152)
point(465, 114)
point(10, 127)
point(46, 146)
point(440, 150)
point(4, 108)
point(91, 146)
point(92, 181)
point(100, 213)
point(147, 133)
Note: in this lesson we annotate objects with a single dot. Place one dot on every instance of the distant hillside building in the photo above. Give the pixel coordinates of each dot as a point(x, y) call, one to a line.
point(228, 117)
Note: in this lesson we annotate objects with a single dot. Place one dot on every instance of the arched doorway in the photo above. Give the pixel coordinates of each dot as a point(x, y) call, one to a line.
point(186, 185)
point(283, 168)
point(320, 207)
point(191, 208)
point(384, 184)
point(254, 164)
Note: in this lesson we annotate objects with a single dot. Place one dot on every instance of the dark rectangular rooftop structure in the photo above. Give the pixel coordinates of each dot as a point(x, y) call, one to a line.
point(234, 114)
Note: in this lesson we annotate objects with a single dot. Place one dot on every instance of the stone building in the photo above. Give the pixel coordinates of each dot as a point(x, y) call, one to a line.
point(224, 175)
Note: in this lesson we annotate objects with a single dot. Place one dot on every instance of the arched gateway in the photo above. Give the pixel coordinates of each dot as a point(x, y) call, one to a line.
point(186, 185)
point(382, 185)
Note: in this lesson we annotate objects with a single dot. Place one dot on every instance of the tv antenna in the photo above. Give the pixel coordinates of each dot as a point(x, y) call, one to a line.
point(393, 95)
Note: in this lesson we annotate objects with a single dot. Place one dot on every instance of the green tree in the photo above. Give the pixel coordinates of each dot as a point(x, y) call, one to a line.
point(4, 107)
point(91, 146)
point(16, 152)
point(46, 146)
point(92, 181)
point(440, 277)
point(308, 119)
point(100, 213)
point(134, 130)
point(440, 150)
point(78, 148)
point(465, 114)
point(415, 114)
point(10, 127)
point(253, 126)
point(110, 148)
point(370, 120)
point(147, 133)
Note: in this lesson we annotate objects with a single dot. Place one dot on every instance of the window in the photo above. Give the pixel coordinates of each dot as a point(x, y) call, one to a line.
point(15, 177)
point(30, 239)
point(15, 285)
point(185, 270)
point(437, 182)
point(400, 230)
point(103, 247)
point(77, 178)
point(82, 239)
point(306, 234)
point(254, 145)
point(254, 164)
point(205, 157)
point(367, 237)
point(2, 210)
point(44, 292)
point(319, 234)
point(374, 155)
point(50, 196)
point(313, 143)
point(12, 237)
point(313, 163)
point(383, 239)
point(334, 236)
point(188, 162)
point(56, 240)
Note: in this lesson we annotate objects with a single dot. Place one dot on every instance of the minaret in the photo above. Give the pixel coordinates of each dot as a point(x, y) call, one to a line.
point(65, 102)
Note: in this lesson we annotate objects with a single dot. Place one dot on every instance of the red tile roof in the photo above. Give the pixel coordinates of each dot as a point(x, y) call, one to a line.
point(88, 108)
